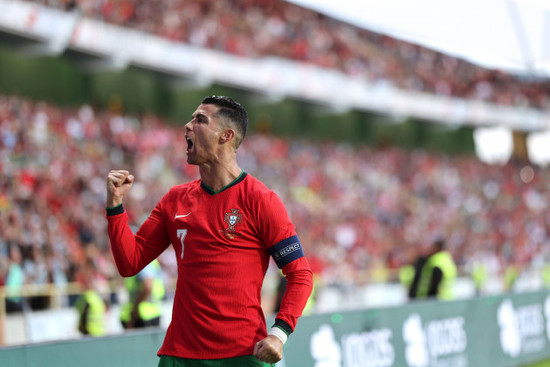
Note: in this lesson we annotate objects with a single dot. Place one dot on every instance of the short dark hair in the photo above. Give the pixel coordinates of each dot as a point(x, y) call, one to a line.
point(233, 111)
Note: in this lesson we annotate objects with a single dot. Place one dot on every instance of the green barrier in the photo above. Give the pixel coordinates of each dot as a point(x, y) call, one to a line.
point(508, 330)
point(135, 349)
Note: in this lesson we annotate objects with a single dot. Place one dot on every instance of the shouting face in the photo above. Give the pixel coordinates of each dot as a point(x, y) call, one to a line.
point(203, 134)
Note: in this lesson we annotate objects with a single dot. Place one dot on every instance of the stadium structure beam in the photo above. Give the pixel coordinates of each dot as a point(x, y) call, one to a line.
point(185, 83)
point(39, 50)
point(111, 64)
point(522, 39)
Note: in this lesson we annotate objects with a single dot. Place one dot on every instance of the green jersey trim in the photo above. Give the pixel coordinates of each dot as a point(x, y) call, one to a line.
point(233, 183)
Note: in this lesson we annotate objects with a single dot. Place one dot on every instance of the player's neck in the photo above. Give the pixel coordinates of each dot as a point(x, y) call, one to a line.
point(218, 176)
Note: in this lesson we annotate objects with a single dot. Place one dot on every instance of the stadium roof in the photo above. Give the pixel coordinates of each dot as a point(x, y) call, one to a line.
point(510, 35)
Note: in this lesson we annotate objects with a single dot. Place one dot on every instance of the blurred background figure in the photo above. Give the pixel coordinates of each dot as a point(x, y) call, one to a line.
point(414, 272)
point(15, 279)
point(3, 272)
point(437, 274)
point(406, 276)
point(90, 305)
point(145, 293)
point(480, 276)
point(546, 275)
point(36, 269)
point(511, 275)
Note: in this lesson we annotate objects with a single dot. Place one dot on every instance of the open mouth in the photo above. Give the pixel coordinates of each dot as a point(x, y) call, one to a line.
point(189, 144)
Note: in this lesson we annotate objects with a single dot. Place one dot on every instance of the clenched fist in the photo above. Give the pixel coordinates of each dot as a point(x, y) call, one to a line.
point(269, 349)
point(118, 184)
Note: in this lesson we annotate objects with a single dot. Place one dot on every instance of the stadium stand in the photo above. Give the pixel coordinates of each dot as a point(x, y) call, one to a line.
point(265, 28)
point(357, 209)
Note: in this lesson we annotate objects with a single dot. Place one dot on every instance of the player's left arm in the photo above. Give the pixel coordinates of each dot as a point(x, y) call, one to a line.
point(290, 258)
point(288, 254)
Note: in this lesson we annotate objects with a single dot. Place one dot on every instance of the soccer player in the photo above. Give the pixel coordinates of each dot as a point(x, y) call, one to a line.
point(224, 227)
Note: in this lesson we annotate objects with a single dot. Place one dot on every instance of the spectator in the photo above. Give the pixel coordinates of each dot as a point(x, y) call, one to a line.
point(437, 274)
point(90, 304)
point(14, 281)
point(146, 291)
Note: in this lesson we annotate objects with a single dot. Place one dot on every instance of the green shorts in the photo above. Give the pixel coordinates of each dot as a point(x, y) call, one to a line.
point(244, 361)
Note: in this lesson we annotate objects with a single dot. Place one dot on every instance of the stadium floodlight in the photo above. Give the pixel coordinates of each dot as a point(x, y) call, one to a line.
point(493, 145)
point(537, 146)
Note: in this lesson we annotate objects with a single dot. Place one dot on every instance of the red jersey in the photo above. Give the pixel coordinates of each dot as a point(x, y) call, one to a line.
point(223, 242)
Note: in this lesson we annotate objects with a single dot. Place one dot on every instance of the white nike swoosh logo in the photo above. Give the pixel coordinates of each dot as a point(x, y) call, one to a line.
point(182, 216)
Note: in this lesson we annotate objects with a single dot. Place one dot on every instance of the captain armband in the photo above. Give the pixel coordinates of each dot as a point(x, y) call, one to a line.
point(287, 251)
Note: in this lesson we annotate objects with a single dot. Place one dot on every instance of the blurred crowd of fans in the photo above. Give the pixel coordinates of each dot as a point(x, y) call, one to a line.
point(263, 28)
point(360, 211)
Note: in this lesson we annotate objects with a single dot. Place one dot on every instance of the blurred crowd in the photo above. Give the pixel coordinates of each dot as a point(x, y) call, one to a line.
point(53, 165)
point(360, 211)
point(263, 28)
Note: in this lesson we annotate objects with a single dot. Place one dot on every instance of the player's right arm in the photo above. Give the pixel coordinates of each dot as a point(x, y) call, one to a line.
point(132, 252)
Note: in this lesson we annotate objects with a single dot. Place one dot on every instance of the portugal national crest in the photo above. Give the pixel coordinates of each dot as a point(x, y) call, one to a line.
point(232, 218)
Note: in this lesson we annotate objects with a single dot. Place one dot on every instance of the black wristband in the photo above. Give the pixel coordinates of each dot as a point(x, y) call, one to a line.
point(119, 209)
point(283, 325)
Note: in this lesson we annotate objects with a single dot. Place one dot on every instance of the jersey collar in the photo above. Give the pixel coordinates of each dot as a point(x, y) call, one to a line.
point(210, 191)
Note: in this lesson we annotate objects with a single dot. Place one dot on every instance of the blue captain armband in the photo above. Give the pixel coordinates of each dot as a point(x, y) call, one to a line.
point(286, 251)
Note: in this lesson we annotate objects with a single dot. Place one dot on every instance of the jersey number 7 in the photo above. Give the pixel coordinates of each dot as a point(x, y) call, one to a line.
point(181, 235)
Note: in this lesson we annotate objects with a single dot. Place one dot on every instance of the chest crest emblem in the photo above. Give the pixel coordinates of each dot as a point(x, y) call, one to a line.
point(232, 218)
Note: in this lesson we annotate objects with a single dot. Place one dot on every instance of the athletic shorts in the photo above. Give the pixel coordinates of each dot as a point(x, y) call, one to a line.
point(244, 361)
